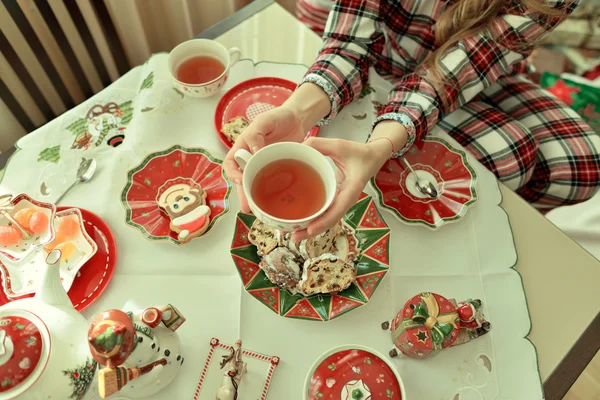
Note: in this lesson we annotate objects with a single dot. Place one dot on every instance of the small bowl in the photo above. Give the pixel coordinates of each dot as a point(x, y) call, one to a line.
point(24, 278)
point(25, 247)
point(196, 48)
point(357, 368)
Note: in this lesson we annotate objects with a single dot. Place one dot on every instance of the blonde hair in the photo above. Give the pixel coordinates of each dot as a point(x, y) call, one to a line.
point(464, 18)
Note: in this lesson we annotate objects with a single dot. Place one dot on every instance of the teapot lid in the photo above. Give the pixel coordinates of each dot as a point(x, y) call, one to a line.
point(24, 351)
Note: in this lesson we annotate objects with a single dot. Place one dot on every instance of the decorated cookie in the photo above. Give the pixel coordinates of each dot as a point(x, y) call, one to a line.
point(234, 128)
point(186, 206)
point(326, 274)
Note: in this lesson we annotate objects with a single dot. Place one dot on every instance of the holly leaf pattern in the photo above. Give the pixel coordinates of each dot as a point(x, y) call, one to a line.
point(331, 367)
point(148, 82)
point(78, 127)
point(127, 110)
point(389, 393)
point(367, 360)
point(50, 154)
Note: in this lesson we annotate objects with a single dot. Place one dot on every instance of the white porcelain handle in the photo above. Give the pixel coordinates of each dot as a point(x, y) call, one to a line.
point(234, 56)
point(242, 158)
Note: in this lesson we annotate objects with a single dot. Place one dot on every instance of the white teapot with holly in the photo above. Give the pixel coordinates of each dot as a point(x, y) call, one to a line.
point(43, 349)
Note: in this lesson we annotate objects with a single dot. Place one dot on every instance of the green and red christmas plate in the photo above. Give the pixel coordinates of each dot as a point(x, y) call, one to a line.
point(194, 167)
point(373, 237)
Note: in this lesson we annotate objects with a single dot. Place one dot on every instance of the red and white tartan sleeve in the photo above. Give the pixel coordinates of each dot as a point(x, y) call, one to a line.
point(469, 67)
point(352, 38)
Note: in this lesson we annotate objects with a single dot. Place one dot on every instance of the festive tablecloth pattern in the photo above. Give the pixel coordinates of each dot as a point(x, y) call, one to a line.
point(141, 113)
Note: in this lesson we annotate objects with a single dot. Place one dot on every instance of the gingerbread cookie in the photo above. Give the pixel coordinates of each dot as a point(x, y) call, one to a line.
point(234, 128)
point(186, 206)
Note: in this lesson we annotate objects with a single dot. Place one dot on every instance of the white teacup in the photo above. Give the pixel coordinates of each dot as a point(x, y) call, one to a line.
point(252, 164)
point(202, 47)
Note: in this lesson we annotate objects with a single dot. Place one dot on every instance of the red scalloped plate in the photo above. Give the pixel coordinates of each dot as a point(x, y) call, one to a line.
point(194, 167)
point(93, 278)
point(441, 163)
point(250, 99)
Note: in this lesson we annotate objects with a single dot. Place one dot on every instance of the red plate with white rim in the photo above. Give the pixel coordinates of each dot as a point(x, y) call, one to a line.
point(446, 167)
point(92, 279)
point(353, 372)
point(184, 172)
point(252, 98)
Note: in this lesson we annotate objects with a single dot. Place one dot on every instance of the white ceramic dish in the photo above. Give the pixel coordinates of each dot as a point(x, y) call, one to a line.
point(23, 278)
point(26, 247)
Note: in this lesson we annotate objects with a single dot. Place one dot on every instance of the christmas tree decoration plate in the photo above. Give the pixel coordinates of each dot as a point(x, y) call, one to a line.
point(174, 185)
point(76, 247)
point(372, 234)
point(251, 98)
point(441, 164)
point(91, 281)
point(353, 372)
point(34, 217)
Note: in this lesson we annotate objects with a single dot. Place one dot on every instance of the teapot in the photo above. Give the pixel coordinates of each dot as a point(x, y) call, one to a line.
point(43, 351)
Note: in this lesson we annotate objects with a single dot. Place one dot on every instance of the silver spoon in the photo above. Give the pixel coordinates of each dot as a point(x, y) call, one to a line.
point(86, 170)
point(424, 186)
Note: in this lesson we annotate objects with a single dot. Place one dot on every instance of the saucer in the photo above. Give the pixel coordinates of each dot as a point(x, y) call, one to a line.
point(372, 240)
point(353, 372)
point(251, 98)
point(443, 165)
point(195, 168)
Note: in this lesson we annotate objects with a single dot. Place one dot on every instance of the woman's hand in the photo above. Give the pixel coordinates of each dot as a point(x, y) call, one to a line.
point(288, 123)
point(357, 163)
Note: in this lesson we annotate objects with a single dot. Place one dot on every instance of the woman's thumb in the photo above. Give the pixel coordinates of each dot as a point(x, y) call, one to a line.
point(256, 132)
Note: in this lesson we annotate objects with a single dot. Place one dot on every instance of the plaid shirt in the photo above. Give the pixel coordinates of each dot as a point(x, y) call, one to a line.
point(395, 36)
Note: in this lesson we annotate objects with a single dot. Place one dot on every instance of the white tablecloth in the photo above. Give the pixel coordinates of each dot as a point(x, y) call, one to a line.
point(472, 258)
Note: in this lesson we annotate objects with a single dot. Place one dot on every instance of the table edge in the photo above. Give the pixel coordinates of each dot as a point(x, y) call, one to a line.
point(234, 19)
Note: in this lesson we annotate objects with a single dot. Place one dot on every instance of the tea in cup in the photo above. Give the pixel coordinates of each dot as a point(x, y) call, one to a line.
point(200, 67)
point(288, 185)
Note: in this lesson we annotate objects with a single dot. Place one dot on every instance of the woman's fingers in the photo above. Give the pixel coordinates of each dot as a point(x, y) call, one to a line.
point(255, 134)
point(349, 193)
point(327, 147)
point(242, 199)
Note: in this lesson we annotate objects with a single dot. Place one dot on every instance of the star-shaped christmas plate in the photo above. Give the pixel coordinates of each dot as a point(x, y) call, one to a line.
point(372, 235)
point(437, 161)
point(195, 168)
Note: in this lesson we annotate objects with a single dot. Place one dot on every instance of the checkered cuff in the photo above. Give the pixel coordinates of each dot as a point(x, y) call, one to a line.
point(329, 88)
point(405, 120)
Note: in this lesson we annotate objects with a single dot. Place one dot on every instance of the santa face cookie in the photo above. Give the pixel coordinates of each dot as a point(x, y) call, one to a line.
point(186, 206)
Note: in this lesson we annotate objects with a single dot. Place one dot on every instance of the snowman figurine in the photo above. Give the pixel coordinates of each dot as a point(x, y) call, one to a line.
point(153, 340)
